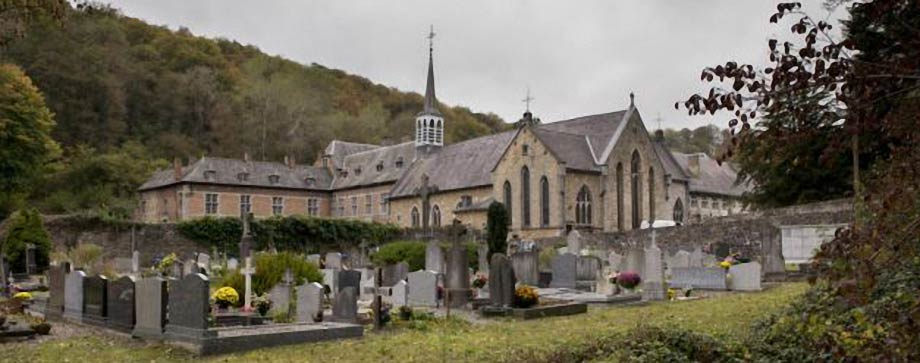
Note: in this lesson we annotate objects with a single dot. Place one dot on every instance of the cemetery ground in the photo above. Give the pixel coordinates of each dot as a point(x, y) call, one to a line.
point(585, 337)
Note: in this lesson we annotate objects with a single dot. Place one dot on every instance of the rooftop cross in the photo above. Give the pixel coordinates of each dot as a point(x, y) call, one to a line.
point(430, 37)
point(527, 99)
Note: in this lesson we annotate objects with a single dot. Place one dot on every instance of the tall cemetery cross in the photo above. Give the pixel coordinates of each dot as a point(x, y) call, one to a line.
point(425, 193)
point(248, 271)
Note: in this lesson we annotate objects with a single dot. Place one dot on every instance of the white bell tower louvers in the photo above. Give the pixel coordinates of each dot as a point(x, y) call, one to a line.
point(429, 124)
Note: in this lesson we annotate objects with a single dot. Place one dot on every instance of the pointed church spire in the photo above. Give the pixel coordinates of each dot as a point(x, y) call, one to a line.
point(431, 102)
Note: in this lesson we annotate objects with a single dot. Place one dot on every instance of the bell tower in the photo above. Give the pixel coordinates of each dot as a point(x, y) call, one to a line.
point(429, 124)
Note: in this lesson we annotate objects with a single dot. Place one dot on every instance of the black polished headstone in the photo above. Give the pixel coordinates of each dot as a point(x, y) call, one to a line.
point(345, 307)
point(121, 304)
point(150, 304)
point(501, 284)
point(188, 308)
point(95, 302)
point(348, 278)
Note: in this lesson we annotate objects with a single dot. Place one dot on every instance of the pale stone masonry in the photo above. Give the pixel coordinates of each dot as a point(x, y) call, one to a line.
point(597, 173)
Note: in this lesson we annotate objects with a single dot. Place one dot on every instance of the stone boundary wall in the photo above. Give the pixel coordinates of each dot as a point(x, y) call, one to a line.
point(756, 235)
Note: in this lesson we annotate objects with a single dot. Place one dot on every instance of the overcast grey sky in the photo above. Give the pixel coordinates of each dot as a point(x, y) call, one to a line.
point(578, 57)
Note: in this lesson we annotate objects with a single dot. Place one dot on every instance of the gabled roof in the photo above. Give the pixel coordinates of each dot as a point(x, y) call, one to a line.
point(599, 129)
point(360, 168)
point(670, 164)
point(466, 164)
point(574, 150)
point(713, 178)
point(338, 150)
point(224, 171)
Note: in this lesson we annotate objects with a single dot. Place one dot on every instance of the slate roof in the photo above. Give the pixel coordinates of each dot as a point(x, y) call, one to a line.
point(368, 160)
point(462, 165)
point(713, 178)
point(571, 148)
point(599, 128)
point(224, 171)
point(339, 149)
point(478, 206)
point(671, 166)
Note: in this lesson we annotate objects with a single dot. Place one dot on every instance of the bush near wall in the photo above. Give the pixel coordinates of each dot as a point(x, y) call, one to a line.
point(293, 233)
point(270, 268)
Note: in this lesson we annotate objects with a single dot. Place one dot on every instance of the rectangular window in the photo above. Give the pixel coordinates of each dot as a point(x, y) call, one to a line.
point(210, 203)
point(694, 202)
point(354, 205)
point(341, 207)
point(277, 205)
point(383, 203)
point(705, 203)
point(245, 205)
point(369, 204)
point(313, 207)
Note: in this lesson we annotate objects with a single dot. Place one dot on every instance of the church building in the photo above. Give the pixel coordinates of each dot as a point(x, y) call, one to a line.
point(593, 173)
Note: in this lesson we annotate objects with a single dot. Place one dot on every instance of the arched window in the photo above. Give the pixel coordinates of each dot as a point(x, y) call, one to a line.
point(436, 216)
point(583, 206)
point(636, 189)
point(651, 194)
point(525, 197)
point(507, 199)
point(415, 219)
point(544, 202)
point(678, 211)
point(620, 211)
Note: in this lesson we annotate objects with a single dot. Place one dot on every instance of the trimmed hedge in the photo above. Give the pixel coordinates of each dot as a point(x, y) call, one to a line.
point(294, 233)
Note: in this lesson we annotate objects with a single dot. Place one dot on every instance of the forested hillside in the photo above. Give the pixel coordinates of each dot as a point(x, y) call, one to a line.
point(110, 79)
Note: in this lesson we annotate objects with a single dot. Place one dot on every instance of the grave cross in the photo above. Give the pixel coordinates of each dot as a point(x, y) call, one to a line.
point(246, 240)
point(248, 271)
point(425, 192)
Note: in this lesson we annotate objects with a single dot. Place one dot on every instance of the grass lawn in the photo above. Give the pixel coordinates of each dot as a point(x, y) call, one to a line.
point(449, 341)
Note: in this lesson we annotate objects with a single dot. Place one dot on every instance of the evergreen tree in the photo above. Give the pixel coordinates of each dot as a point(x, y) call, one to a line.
point(497, 228)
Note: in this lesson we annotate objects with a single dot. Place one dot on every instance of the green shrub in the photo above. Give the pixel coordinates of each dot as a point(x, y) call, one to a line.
point(270, 269)
point(410, 252)
point(26, 227)
point(497, 228)
point(654, 344)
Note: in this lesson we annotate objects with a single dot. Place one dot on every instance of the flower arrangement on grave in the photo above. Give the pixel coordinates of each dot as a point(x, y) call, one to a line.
point(23, 296)
point(672, 294)
point(628, 280)
point(725, 264)
point(165, 263)
point(480, 281)
point(525, 297)
point(226, 296)
point(262, 304)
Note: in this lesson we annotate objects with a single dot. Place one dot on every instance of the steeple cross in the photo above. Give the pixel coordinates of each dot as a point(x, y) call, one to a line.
point(527, 99)
point(430, 37)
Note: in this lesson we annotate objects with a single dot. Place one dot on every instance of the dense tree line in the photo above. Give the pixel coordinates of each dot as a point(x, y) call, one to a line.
point(122, 89)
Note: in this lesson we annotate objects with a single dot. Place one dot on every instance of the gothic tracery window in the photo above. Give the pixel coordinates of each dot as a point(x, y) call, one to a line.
point(583, 206)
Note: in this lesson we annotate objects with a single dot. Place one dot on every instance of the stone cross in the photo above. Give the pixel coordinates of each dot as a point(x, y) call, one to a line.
point(247, 273)
point(246, 240)
point(425, 193)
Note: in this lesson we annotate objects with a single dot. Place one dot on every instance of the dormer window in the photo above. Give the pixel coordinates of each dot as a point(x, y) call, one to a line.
point(380, 167)
point(244, 176)
point(274, 178)
point(399, 162)
point(310, 181)
point(343, 173)
point(357, 171)
point(209, 174)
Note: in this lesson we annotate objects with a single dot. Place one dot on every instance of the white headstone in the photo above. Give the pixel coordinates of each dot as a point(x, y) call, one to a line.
point(314, 259)
point(367, 284)
point(280, 296)
point(334, 260)
point(696, 257)
point(573, 242)
point(135, 261)
point(309, 302)
point(399, 294)
point(330, 278)
point(680, 259)
point(745, 276)
point(653, 281)
point(434, 257)
point(233, 264)
point(615, 261)
point(204, 261)
point(423, 288)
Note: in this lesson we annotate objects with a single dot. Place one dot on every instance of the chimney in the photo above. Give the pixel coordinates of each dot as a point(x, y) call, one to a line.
point(659, 135)
point(246, 156)
point(287, 161)
point(292, 161)
point(177, 169)
point(693, 163)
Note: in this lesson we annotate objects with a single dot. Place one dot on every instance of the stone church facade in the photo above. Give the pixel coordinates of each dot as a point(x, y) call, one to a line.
point(593, 173)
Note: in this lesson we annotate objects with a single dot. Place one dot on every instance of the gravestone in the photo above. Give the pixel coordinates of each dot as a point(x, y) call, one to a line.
point(399, 294)
point(31, 264)
point(233, 264)
point(696, 257)
point(603, 284)
point(4, 276)
point(330, 278)
point(73, 295)
point(423, 288)
point(458, 276)
point(680, 259)
point(710, 260)
point(394, 273)
point(565, 271)
point(722, 250)
point(587, 269)
point(190, 322)
point(334, 261)
point(635, 261)
point(653, 281)
point(573, 242)
point(150, 303)
point(176, 270)
point(190, 267)
point(348, 278)
point(434, 257)
point(711, 278)
point(501, 284)
point(122, 264)
point(280, 296)
point(57, 274)
point(309, 303)
point(345, 307)
point(95, 300)
point(368, 283)
point(745, 276)
point(135, 261)
point(121, 295)
point(483, 254)
point(526, 269)
point(314, 259)
point(204, 261)
point(615, 261)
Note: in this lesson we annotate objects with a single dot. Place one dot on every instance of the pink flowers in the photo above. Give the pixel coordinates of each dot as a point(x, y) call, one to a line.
point(628, 280)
